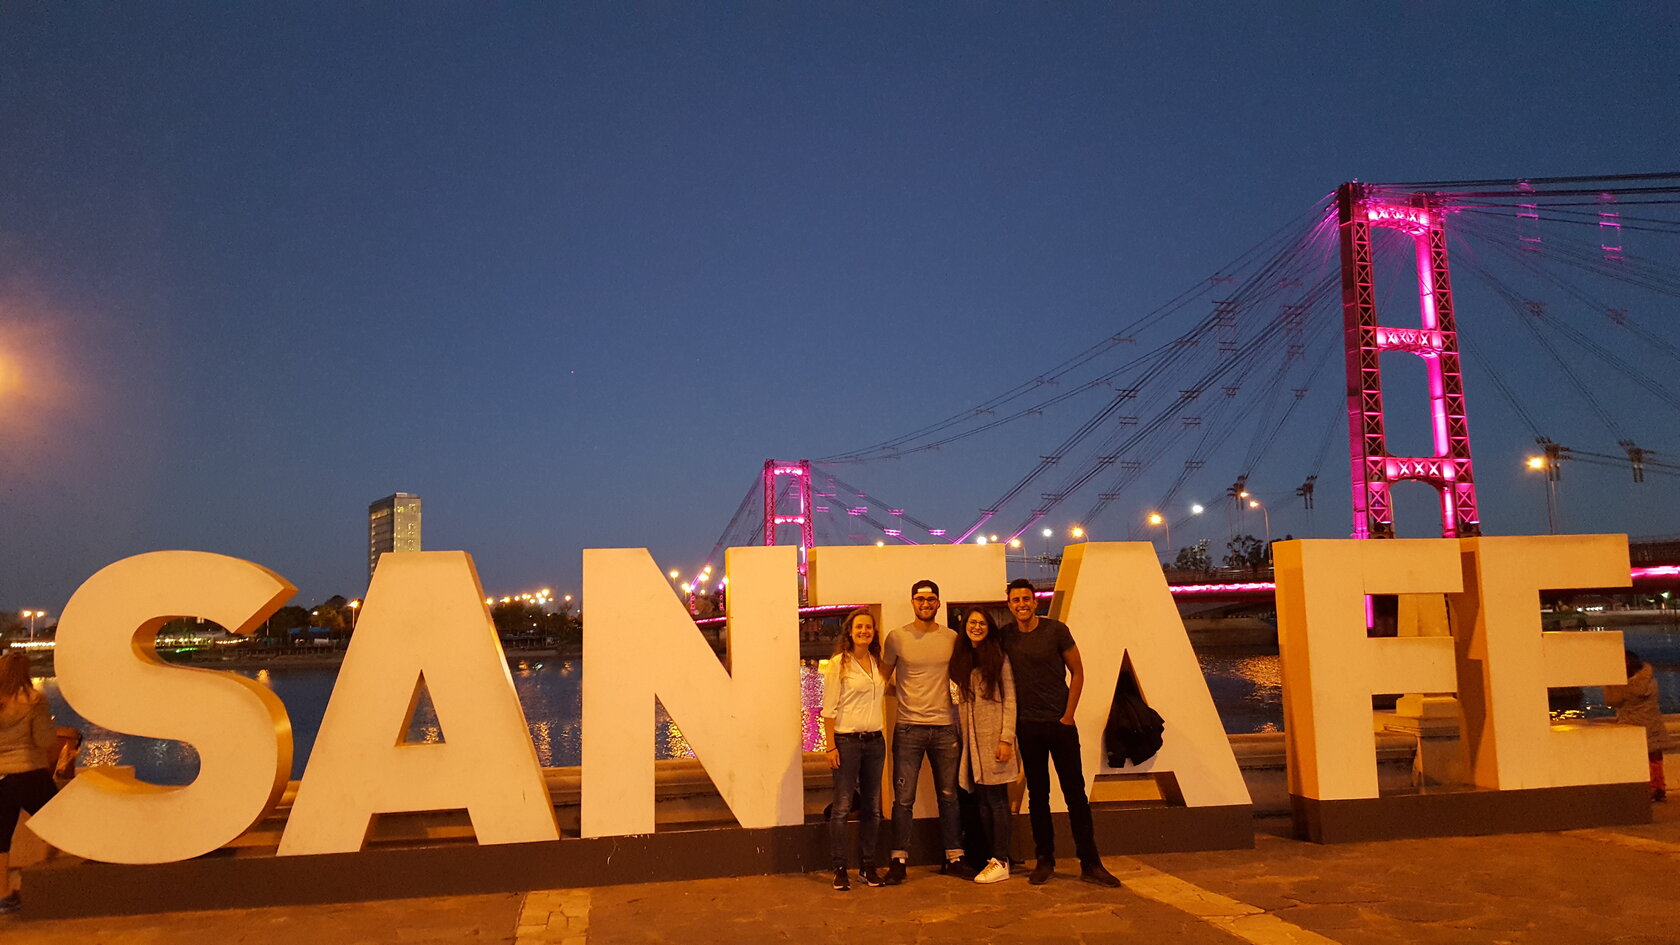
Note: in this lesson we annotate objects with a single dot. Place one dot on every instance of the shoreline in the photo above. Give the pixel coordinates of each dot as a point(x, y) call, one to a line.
point(280, 659)
point(1204, 633)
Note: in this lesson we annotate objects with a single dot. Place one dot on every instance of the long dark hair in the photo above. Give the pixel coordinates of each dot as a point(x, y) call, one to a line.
point(14, 676)
point(987, 657)
point(843, 642)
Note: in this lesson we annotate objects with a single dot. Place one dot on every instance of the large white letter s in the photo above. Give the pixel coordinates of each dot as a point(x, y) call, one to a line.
point(109, 671)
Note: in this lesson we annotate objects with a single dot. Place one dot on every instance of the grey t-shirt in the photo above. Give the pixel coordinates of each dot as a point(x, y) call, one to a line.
point(919, 664)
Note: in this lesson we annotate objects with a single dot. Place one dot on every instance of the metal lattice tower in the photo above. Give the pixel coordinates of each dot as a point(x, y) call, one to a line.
point(787, 501)
point(1435, 341)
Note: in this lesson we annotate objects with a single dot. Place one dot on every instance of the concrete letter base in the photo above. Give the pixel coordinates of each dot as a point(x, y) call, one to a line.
point(1463, 812)
point(234, 878)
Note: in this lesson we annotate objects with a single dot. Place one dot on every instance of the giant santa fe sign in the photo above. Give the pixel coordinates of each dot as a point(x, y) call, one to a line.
point(424, 618)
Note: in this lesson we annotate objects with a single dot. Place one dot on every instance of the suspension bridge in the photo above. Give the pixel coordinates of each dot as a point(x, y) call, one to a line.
point(1226, 402)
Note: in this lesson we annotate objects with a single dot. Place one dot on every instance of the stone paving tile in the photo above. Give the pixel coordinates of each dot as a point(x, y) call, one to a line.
point(928, 910)
point(470, 919)
point(1532, 889)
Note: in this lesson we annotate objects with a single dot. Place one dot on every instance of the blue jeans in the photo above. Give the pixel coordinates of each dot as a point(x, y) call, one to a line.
point(862, 756)
point(942, 744)
point(995, 815)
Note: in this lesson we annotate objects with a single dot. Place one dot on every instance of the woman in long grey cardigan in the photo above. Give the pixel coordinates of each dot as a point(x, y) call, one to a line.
point(985, 690)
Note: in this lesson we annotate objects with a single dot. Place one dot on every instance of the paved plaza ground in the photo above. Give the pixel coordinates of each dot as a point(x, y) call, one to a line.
point(1588, 886)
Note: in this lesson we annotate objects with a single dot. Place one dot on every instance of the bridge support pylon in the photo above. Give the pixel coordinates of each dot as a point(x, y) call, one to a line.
point(787, 501)
point(1435, 341)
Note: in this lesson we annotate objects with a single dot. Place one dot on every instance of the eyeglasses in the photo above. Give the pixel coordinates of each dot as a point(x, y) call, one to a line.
point(924, 599)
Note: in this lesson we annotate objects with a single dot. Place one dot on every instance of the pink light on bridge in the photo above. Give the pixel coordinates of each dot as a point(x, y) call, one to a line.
point(1421, 342)
point(1205, 590)
point(1211, 590)
point(1398, 216)
point(1656, 571)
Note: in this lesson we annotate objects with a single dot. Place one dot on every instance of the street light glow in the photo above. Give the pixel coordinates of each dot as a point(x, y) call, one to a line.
point(1196, 509)
point(1155, 518)
point(1535, 462)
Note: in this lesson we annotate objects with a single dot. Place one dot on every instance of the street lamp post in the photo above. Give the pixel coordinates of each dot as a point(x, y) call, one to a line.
point(32, 614)
point(1255, 504)
point(1156, 518)
point(1047, 533)
point(1549, 465)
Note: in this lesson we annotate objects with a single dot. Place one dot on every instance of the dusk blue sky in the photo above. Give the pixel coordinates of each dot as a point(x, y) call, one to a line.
point(572, 272)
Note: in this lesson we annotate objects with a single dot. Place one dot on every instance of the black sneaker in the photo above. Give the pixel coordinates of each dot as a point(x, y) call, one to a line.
point(841, 882)
point(895, 873)
point(870, 877)
point(1041, 872)
point(1098, 874)
point(957, 868)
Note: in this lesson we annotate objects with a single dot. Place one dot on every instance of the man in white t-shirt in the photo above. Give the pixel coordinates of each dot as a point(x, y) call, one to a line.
point(917, 658)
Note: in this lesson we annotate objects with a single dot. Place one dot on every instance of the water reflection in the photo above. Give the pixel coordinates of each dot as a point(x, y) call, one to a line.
point(1247, 687)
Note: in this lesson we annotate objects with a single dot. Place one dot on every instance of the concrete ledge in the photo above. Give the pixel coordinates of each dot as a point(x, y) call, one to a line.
point(1461, 812)
point(244, 878)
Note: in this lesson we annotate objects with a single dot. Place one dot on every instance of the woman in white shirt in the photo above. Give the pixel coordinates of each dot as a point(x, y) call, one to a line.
point(851, 721)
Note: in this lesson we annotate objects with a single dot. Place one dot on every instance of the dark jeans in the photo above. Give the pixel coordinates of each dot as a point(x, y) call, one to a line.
point(862, 756)
point(1040, 744)
point(995, 815)
point(942, 744)
point(25, 791)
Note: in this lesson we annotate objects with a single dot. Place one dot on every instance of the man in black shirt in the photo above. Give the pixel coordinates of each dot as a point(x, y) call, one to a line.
point(1043, 657)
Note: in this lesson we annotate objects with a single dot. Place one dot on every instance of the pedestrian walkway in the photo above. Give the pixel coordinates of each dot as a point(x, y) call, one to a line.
point(1615, 885)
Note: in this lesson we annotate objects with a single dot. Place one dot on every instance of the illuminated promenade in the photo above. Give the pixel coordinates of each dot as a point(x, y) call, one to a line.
point(1602, 885)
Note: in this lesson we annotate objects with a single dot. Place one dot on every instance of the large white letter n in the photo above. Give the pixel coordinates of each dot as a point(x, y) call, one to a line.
point(639, 645)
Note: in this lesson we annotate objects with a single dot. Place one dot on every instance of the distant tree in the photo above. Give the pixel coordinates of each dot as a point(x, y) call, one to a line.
point(703, 606)
point(285, 620)
point(517, 618)
point(332, 616)
point(1194, 557)
point(563, 628)
point(1245, 551)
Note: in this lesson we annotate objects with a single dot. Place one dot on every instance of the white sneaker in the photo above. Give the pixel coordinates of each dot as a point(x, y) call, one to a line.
point(996, 871)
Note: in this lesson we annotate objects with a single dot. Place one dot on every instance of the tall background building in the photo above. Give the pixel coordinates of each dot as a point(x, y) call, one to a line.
point(393, 525)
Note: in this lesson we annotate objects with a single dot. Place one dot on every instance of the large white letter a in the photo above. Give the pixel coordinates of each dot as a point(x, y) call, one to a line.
point(424, 617)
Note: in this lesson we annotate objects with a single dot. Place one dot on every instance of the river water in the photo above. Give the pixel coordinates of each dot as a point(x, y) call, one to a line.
point(1246, 684)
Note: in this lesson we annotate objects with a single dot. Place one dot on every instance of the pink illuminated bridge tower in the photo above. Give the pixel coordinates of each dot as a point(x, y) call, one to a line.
point(787, 501)
point(1435, 340)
